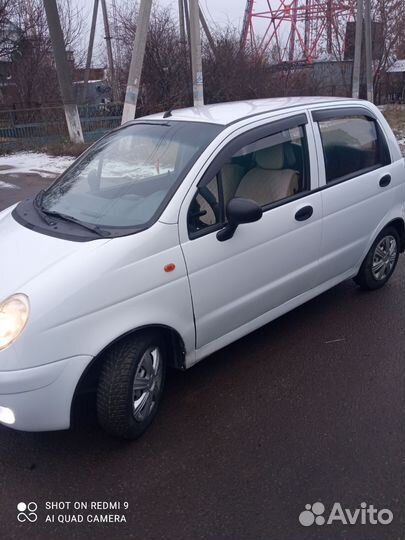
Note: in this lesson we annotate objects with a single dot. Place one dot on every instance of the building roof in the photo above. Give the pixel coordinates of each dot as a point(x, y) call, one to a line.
point(227, 113)
point(397, 67)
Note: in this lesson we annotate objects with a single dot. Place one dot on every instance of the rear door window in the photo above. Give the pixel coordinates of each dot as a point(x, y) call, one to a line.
point(352, 145)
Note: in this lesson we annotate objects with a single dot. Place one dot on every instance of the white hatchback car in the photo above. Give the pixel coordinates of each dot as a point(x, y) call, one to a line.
point(179, 233)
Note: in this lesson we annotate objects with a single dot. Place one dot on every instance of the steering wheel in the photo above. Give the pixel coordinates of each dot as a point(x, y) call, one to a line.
point(211, 200)
point(195, 212)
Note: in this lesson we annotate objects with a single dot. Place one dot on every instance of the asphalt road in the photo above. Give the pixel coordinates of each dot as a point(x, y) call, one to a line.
point(308, 408)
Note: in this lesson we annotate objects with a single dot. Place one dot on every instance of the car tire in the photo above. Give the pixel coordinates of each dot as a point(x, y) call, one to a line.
point(131, 384)
point(381, 260)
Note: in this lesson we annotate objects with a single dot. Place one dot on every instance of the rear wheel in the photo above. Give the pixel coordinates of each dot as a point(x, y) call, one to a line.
point(381, 260)
point(131, 385)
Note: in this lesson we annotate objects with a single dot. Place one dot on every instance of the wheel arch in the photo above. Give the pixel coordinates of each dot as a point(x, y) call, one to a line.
point(89, 378)
point(399, 225)
point(396, 222)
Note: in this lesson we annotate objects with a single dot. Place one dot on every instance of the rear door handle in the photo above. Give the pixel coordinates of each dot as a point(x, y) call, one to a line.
point(385, 180)
point(304, 213)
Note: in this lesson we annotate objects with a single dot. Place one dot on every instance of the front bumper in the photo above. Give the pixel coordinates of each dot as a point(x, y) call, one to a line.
point(40, 398)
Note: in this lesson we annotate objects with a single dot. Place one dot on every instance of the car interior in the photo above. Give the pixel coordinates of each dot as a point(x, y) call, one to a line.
point(266, 176)
point(349, 145)
point(341, 160)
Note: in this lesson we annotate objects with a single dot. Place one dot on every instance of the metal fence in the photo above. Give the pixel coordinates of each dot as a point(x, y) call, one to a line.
point(32, 128)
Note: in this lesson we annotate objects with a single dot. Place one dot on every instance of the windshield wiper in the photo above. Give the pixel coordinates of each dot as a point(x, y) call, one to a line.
point(40, 211)
point(94, 228)
point(44, 213)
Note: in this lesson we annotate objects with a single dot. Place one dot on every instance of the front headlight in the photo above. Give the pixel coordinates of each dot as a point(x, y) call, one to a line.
point(14, 313)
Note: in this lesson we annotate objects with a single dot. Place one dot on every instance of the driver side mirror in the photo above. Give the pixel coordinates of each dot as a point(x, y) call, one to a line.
point(239, 211)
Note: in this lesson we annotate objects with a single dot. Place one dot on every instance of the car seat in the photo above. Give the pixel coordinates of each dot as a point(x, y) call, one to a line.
point(269, 180)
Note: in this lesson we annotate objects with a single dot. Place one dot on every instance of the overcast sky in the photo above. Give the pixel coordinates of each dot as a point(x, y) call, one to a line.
point(217, 12)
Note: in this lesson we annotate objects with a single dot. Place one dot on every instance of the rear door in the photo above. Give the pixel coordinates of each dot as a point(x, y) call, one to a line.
point(237, 284)
point(356, 181)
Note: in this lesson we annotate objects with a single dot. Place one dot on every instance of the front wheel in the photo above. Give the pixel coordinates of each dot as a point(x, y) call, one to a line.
point(381, 260)
point(131, 385)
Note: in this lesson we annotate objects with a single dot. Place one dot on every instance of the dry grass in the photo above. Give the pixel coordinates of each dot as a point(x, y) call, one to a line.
point(395, 116)
point(5, 151)
point(65, 149)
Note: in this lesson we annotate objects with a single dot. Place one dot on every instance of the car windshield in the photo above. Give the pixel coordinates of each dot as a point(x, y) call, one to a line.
point(126, 179)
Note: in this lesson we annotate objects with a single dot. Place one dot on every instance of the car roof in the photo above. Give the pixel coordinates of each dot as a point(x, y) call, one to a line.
point(234, 111)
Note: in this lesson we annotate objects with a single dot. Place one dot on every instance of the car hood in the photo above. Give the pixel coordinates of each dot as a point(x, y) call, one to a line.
point(25, 254)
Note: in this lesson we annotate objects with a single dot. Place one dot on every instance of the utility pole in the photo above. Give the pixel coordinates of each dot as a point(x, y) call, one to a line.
point(207, 31)
point(196, 61)
point(307, 27)
point(357, 50)
point(329, 26)
point(368, 50)
point(187, 15)
point(184, 41)
point(117, 47)
point(293, 30)
point(138, 53)
point(181, 22)
point(63, 72)
point(109, 50)
point(90, 50)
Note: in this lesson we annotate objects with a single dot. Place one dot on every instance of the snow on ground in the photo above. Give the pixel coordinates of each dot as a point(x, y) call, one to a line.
point(395, 116)
point(50, 166)
point(34, 162)
point(6, 185)
point(401, 140)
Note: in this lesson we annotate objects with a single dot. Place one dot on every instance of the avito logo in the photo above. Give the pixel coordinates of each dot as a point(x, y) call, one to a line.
point(365, 515)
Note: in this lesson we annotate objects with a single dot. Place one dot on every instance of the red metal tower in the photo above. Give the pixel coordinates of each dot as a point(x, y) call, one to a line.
point(297, 30)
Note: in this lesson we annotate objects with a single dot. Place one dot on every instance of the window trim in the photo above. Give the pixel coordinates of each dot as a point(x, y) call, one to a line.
point(248, 137)
point(306, 163)
point(347, 177)
point(215, 226)
point(286, 200)
point(322, 115)
point(341, 112)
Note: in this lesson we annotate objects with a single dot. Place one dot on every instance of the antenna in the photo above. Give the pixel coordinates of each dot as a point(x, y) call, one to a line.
point(168, 113)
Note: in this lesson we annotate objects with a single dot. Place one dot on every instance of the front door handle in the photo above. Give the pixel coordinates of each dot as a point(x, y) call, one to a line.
point(304, 213)
point(385, 180)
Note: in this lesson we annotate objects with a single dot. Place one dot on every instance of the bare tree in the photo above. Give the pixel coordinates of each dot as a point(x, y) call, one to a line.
point(166, 79)
point(391, 15)
point(9, 33)
point(33, 69)
point(229, 72)
point(232, 73)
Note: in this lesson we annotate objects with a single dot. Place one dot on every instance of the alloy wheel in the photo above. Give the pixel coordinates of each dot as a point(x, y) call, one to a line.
point(384, 257)
point(147, 384)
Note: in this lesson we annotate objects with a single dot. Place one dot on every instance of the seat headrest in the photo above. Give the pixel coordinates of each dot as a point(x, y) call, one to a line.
point(270, 158)
point(290, 157)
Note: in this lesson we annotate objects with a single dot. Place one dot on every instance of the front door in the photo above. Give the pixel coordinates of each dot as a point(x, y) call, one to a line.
point(236, 284)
